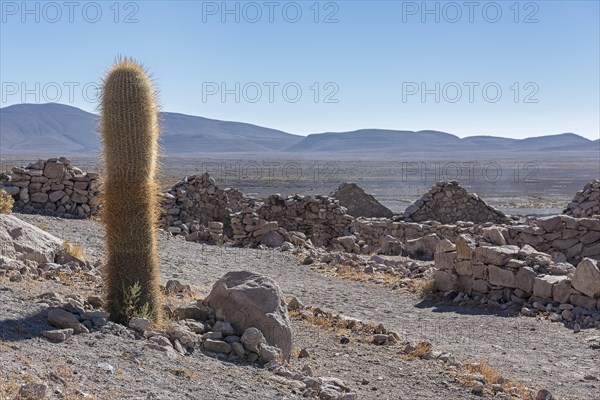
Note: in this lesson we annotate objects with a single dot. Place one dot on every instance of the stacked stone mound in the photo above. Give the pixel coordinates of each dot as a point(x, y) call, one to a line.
point(195, 202)
point(320, 218)
point(448, 202)
point(360, 204)
point(586, 202)
point(514, 274)
point(53, 186)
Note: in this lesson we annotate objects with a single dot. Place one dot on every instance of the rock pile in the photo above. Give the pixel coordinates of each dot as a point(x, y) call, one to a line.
point(53, 186)
point(515, 274)
point(320, 218)
point(195, 202)
point(360, 204)
point(249, 229)
point(448, 202)
point(27, 251)
point(243, 320)
point(586, 202)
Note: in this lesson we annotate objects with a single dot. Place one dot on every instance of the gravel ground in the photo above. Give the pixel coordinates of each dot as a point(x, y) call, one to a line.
point(71, 369)
point(536, 352)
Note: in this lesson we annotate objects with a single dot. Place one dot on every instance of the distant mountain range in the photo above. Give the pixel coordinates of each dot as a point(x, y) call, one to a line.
point(57, 128)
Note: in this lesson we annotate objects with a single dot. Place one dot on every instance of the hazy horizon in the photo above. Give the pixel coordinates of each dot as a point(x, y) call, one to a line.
point(459, 135)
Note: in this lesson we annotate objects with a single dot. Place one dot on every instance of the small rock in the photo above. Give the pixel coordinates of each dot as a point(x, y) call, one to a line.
point(252, 338)
point(224, 327)
point(544, 394)
point(139, 324)
point(268, 353)
point(58, 335)
point(32, 391)
point(294, 304)
point(478, 388)
point(179, 347)
point(576, 328)
point(238, 349)
point(63, 319)
point(303, 354)
point(216, 346)
point(106, 367)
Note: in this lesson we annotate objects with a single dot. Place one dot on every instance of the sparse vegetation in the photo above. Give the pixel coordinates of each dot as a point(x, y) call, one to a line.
point(132, 305)
point(6, 202)
point(75, 249)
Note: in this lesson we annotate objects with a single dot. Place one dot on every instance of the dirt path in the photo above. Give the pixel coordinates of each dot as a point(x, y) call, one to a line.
point(538, 353)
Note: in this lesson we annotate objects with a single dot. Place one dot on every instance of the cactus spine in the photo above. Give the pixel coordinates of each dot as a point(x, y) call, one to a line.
point(129, 130)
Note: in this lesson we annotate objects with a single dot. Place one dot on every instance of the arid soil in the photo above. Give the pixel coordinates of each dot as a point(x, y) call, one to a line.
point(537, 353)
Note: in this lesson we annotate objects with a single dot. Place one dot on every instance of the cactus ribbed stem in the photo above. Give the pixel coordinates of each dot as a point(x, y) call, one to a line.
point(129, 130)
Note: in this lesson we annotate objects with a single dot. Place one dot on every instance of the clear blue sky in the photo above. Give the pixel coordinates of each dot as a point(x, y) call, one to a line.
point(374, 61)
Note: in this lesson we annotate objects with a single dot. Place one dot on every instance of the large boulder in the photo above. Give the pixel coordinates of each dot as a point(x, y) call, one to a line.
point(496, 255)
point(359, 203)
point(586, 278)
point(390, 246)
point(20, 240)
point(247, 299)
point(422, 248)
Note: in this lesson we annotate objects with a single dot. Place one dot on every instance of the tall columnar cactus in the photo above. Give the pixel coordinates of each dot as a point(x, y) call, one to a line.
point(129, 130)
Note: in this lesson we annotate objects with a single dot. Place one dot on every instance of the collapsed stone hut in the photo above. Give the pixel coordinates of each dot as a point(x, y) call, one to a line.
point(448, 202)
point(359, 203)
point(586, 202)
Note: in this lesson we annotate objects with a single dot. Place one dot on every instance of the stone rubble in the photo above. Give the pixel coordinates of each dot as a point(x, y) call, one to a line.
point(586, 202)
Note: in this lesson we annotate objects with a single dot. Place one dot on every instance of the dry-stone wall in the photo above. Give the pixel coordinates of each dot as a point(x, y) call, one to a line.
point(565, 238)
point(448, 202)
point(372, 231)
point(514, 274)
point(195, 201)
point(360, 204)
point(53, 186)
point(586, 202)
point(320, 218)
point(249, 229)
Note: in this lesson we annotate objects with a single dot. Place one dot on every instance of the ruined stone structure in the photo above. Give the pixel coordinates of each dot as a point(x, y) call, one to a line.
point(53, 186)
point(448, 202)
point(360, 204)
point(320, 218)
point(514, 273)
point(565, 238)
point(195, 201)
point(586, 202)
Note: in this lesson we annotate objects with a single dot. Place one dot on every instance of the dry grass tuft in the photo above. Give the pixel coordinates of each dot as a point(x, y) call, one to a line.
point(421, 349)
point(6, 202)
point(423, 286)
point(9, 387)
point(517, 390)
point(75, 249)
point(43, 226)
point(187, 374)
